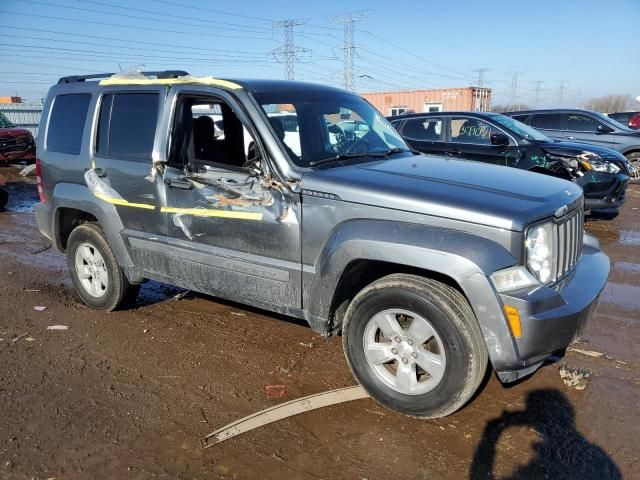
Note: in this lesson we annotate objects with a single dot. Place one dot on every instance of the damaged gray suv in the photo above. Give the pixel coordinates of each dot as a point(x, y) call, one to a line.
point(430, 270)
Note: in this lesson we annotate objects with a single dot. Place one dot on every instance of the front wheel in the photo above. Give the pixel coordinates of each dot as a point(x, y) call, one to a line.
point(96, 275)
point(415, 345)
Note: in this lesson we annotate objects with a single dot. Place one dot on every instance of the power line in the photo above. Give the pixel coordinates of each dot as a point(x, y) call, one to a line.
point(129, 27)
point(219, 12)
point(289, 53)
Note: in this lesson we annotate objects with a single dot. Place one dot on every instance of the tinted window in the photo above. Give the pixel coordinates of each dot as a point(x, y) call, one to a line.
point(424, 129)
point(521, 118)
point(66, 125)
point(578, 122)
point(471, 130)
point(549, 121)
point(132, 125)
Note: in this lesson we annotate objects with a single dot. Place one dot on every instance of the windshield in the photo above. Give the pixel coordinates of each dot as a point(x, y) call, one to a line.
point(614, 122)
point(4, 122)
point(319, 125)
point(521, 129)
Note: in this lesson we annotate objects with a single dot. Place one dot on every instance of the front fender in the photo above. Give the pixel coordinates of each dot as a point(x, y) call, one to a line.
point(466, 258)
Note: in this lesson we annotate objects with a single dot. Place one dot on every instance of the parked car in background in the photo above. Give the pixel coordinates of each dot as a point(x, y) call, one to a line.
point(630, 119)
point(493, 138)
point(429, 267)
point(16, 144)
point(585, 126)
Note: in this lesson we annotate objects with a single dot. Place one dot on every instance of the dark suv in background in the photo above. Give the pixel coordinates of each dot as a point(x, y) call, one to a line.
point(585, 126)
point(493, 138)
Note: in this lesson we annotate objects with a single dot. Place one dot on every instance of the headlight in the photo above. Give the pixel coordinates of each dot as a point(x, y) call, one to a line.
point(541, 252)
point(600, 166)
point(513, 278)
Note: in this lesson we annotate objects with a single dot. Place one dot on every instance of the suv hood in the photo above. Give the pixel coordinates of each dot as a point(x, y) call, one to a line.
point(13, 132)
point(457, 189)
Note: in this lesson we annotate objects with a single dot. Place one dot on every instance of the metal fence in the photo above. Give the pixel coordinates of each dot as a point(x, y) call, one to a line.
point(25, 115)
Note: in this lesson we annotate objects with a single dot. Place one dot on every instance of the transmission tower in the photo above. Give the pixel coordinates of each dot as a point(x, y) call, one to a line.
point(289, 53)
point(480, 72)
point(349, 47)
point(561, 94)
point(536, 102)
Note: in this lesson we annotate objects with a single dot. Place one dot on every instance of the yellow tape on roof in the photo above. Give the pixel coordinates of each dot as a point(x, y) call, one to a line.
point(171, 81)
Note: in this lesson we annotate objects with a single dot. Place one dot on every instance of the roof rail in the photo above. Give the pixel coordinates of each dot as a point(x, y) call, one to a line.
point(159, 74)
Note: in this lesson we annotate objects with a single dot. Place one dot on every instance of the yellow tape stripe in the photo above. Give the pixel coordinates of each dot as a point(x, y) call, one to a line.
point(123, 202)
point(205, 212)
point(171, 81)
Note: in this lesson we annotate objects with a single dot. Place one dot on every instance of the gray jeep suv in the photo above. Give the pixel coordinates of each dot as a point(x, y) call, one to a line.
point(429, 269)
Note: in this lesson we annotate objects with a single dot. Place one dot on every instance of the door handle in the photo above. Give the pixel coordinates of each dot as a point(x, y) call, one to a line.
point(570, 137)
point(454, 152)
point(178, 183)
point(98, 171)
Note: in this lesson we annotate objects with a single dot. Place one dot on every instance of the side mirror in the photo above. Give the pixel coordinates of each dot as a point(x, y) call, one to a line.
point(604, 129)
point(499, 140)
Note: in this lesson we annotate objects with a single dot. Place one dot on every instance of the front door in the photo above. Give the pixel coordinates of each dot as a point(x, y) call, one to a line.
point(470, 138)
point(583, 128)
point(233, 232)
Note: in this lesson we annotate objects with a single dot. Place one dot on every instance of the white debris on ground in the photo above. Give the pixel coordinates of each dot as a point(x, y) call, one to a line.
point(57, 327)
point(576, 378)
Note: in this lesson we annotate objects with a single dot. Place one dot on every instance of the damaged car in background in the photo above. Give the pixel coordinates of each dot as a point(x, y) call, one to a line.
point(493, 138)
point(431, 268)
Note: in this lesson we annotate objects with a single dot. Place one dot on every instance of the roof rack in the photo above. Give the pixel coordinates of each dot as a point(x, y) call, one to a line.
point(159, 75)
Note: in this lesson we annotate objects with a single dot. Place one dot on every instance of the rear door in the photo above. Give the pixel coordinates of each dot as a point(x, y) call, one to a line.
point(122, 151)
point(470, 138)
point(425, 134)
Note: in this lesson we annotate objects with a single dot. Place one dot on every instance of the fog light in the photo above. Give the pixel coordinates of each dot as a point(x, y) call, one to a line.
point(513, 317)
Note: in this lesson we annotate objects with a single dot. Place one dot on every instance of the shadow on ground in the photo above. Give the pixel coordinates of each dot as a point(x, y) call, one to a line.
point(561, 451)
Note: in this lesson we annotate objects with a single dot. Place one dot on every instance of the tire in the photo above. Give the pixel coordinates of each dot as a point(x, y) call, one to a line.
point(634, 159)
point(454, 339)
point(4, 198)
point(96, 275)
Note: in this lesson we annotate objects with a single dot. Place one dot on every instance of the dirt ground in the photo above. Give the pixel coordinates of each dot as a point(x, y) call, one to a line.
point(130, 394)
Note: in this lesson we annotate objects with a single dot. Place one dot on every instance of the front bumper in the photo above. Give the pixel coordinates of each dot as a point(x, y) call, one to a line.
point(553, 317)
point(604, 191)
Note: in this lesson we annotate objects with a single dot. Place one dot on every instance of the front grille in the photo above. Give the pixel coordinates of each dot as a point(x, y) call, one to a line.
point(570, 230)
point(15, 144)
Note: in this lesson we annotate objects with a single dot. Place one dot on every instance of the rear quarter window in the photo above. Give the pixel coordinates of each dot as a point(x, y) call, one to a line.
point(66, 123)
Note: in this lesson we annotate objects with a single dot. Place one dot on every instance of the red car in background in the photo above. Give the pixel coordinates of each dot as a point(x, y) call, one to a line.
point(16, 144)
point(630, 119)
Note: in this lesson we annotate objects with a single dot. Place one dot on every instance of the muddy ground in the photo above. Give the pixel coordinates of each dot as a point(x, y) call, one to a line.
point(130, 394)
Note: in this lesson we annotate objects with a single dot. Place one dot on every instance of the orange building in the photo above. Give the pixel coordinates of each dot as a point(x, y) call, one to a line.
point(436, 100)
point(10, 100)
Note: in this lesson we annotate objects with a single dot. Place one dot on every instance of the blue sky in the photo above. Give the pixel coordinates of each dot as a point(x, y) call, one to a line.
point(590, 47)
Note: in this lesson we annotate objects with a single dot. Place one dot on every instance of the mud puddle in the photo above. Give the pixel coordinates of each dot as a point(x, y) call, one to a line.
point(622, 295)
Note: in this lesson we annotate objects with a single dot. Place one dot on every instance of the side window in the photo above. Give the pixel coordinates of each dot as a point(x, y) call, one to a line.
point(207, 133)
point(127, 125)
point(547, 121)
point(471, 130)
point(577, 122)
point(66, 124)
point(424, 129)
point(522, 118)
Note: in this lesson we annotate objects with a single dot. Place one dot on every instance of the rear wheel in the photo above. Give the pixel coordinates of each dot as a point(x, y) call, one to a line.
point(96, 275)
point(634, 160)
point(414, 345)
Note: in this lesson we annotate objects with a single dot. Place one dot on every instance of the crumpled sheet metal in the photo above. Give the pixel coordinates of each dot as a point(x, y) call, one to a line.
point(104, 191)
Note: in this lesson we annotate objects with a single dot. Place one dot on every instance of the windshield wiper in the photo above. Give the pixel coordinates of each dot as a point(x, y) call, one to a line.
point(391, 151)
point(346, 156)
